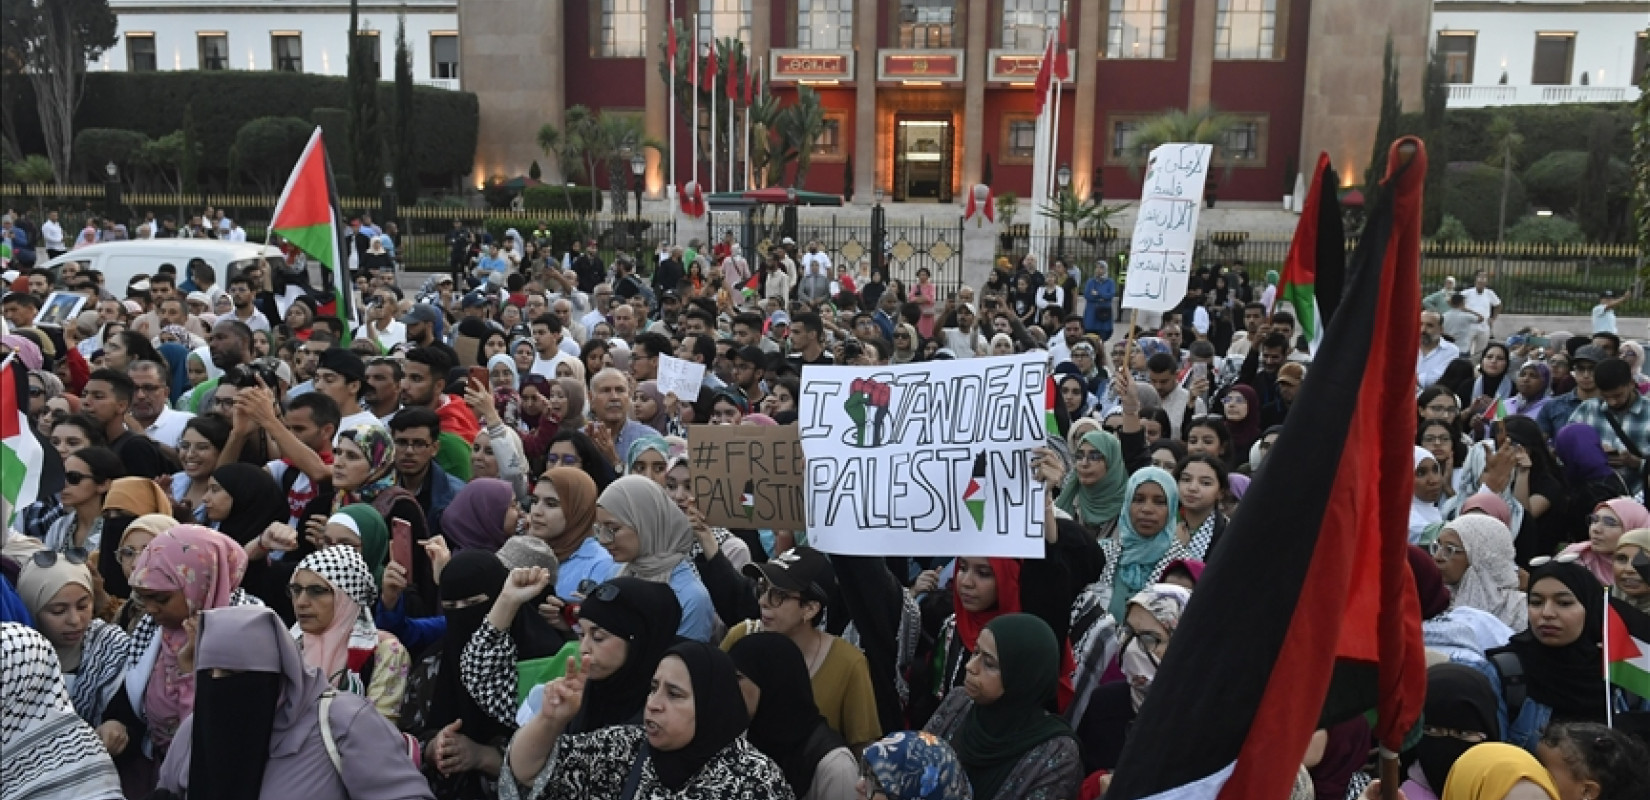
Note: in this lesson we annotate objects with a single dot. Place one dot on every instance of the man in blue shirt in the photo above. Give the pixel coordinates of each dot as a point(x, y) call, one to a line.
point(1555, 413)
point(492, 267)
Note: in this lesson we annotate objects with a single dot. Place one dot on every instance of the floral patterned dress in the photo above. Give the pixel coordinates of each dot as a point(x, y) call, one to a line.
point(596, 764)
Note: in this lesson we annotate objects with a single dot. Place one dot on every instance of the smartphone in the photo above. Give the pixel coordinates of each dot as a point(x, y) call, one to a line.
point(401, 544)
point(1200, 371)
point(479, 375)
point(1539, 341)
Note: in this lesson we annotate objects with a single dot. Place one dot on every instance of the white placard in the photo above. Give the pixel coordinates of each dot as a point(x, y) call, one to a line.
point(925, 459)
point(680, 378)
point(1165, 231)
point(60, 309)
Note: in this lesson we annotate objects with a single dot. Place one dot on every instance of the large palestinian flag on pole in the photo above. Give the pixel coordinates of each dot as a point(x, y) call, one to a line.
point(22, 459)
point(308, 216)
point(1314, 271)
point(1308, 611)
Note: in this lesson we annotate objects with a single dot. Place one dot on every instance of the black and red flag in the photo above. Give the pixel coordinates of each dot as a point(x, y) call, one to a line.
point(1308, 613)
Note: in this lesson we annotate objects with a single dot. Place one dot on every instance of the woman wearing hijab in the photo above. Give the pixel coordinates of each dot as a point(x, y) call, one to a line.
point(690, 746)
point(1630, 586)
point(1074, 393)
point(650, 406)
point(363, 473)
point(333, 593)
point(505, 383)
point(913, 765)
point(258, 731)
point(1001, 727)
point(1241, 408)
point(1609, 520)
point(184, 571)
point(907, 344)
point(1588, 478)
point(1151, 619)
point(1559, 654)
point(1496, 771)
point(198, 364)
point(242, 501)
point(60, 596)
point(51, 753)
point(1536, 495)
point(1475, 554)
point(116, 569)
point(1429, 487)
point(1460, 714)
point(482, 516)
point(786, 724)
point(1143, 547)
point(1531, 390)
point(644, 531)
point(1093, 491)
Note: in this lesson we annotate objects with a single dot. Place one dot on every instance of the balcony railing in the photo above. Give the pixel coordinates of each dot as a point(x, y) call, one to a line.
point(439, 83)
point(1469, 96)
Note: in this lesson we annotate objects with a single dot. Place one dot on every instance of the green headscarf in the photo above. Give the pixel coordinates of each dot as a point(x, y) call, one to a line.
point(1271, 277)
point(994, 737)
point(1141, 553)
point(375, 536)
point(1101, 503)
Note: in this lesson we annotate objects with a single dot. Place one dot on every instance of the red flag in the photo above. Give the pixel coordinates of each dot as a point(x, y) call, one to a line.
point(1062, 68)
point(670, 47)
point(750, 88)
point(710, 67)
point(733, 78)
point(1044, 70)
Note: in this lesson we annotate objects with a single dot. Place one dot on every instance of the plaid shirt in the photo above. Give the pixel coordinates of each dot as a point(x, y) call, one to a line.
point(37, 518)
point(1635, 422)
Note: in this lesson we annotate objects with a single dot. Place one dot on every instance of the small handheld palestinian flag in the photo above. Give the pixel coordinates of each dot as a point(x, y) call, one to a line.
point(1627, 647)
point(1497, 410)
point(752, 286)
point(747, 500)
point(1051, 422)
point(974, 496)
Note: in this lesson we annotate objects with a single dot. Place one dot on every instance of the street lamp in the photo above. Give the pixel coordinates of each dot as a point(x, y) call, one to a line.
point(1062, 176)
point(386, 202)
point(111, 170)
point(638, 165)
point(111, 188)
point(879, 231)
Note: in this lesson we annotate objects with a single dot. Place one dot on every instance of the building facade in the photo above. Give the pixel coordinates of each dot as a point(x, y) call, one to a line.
point(1529, 52)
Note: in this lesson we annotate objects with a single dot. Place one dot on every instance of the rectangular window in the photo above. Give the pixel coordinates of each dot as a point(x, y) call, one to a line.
point(374, 50)
point(1458, 49)
point(1241, 144)
point(723, 19)
point(1554, 52)
point(1020, 141)
point(444, 55)
point(140, 52)
point(1027, 24)
point(1246, 29)
point(829, 143)
point(1138, 29)
point(1641, 58)
point(624, 29)
point(825, 24)
point(925, 24)
point(1124, 134)
point(214, 49)
point(288, 50)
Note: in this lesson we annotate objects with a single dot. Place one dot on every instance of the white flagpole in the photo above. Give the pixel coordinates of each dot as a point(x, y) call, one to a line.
point(1054, 129)
point(693, 69)
point(1609, 705)
point(711, 78)
point(751, 77)
point(670, 182)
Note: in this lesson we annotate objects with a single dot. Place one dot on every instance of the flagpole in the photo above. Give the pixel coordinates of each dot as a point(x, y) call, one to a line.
point(670, 183)
point(693, 129)
point(1609, 707)
point(754, 77)
point(733, 149)
point(711, 78)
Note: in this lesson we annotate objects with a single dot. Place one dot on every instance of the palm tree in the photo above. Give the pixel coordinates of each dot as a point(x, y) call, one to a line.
point(800, 126)
point(590, 142)
point(1202, 125)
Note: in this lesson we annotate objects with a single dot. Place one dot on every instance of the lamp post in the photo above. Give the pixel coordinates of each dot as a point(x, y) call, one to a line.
point(638, 165)
point(111, 189)
point(879, 231)
point(1062, 178)
point(387, 202)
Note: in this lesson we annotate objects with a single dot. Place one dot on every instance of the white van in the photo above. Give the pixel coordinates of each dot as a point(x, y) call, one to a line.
point(119, 261)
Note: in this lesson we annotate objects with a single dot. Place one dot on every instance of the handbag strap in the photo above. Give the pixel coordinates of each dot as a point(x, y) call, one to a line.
point(326, 731)
point(634, 778)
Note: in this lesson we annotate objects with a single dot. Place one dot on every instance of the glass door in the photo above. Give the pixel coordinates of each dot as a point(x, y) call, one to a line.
point(922, 159)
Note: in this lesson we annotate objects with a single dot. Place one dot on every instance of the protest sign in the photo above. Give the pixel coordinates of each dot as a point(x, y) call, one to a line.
point(680, 378)
point(747, 476)
point(59, 309)
point(1165, 231)
point(934, 458)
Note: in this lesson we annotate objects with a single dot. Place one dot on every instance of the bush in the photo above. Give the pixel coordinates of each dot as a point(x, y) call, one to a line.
point(555, 198)
point(1472, 194)
point(1546, 129)
point(267, 147)
point(95, 147)
point(562, 231)
point(1545, 230)
point(334, 124)
point(1555, 181)
point(152, 103)
point(1451, 230)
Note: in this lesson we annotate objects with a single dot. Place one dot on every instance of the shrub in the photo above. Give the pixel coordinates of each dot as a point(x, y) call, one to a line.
point(562, 231)
point(1545, 230)
point(1546, 129)
point(1556, 180)
point(1451, 230)
point(95, 147)
point(1472, 194)
point(555, 198)
point(267, 147)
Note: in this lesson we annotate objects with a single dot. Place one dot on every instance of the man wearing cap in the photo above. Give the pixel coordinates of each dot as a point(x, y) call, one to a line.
point(1604, 314)
point(1558, 412)
point(792, 591)
point(339, 375)
point(423, 322)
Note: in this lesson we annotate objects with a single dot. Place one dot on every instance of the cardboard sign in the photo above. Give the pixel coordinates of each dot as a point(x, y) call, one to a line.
point(680, 378)
point(926, 459)
point(747, 476)
point(1165, 232)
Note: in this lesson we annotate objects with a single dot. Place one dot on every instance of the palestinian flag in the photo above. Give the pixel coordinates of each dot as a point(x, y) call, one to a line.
point(308, 216)
point(1315, 268)
point(22, 459)
point(1627, 647)
point(1322, 623)
point(1051, 421)
point(974, 495)
point(747, 499)
point(752, 287)
point(1497, 410)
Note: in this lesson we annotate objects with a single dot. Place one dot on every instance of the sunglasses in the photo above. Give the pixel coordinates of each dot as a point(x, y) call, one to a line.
point(75, 478)
point(48, 558)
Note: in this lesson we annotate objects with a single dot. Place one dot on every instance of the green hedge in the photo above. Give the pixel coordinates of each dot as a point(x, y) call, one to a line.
point(1556, 179)
point(1472, 194)
point(153, 103)
point(555, 198)
point(1546, 129)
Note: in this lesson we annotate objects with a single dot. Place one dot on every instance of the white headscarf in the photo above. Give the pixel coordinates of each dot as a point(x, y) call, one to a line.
point(1422, 514)
point(1491, 581)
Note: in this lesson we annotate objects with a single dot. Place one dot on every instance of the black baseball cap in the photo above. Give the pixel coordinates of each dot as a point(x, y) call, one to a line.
point(344, 363)
point(799, 569)
point(751, 354)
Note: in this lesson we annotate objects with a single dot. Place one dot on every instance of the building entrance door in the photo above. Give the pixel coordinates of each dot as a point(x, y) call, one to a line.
point(922, 157)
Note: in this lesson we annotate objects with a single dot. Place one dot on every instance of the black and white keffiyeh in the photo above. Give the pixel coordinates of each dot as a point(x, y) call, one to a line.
point(344, 568)
point(46, 750)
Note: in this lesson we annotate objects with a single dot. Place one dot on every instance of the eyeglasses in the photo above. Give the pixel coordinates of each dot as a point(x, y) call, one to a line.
point(1437, 438)
point(73, 555)
point(149, 388)
point(565, 459)
point(1446, 550)
point(1561, 558)
point(73, 478)
point(1600, 519)
point(36, 391)
point(604, 534)
point(601, 592)
point(412, 444)
point(1234, 399)
point(129, 554)
point(315, 591)
point(1149, 641)
point(873, 784)
point(773, 596)
point(1091, 456)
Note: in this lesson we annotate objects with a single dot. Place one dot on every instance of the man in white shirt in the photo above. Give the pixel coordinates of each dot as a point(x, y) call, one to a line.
point(51, 236)
point(600, 298)
point(149, 405)
point(1435, 352)
point(1604, 314)
point(1483, 301)
point(340, 375)
point(381, 325)
point(547, 337)
point(235, 233)
point(241, 295)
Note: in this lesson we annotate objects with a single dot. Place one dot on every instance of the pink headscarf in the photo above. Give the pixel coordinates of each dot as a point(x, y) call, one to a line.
point(206, 567)
point(759, 420)
point(1490, 504)
point(27, 352)
point(1632, 516)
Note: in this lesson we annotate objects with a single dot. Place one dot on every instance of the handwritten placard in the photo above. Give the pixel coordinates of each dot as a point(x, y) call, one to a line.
point(925, 459)
point(747, 476)
point(680, 378)
point(1165, 232)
